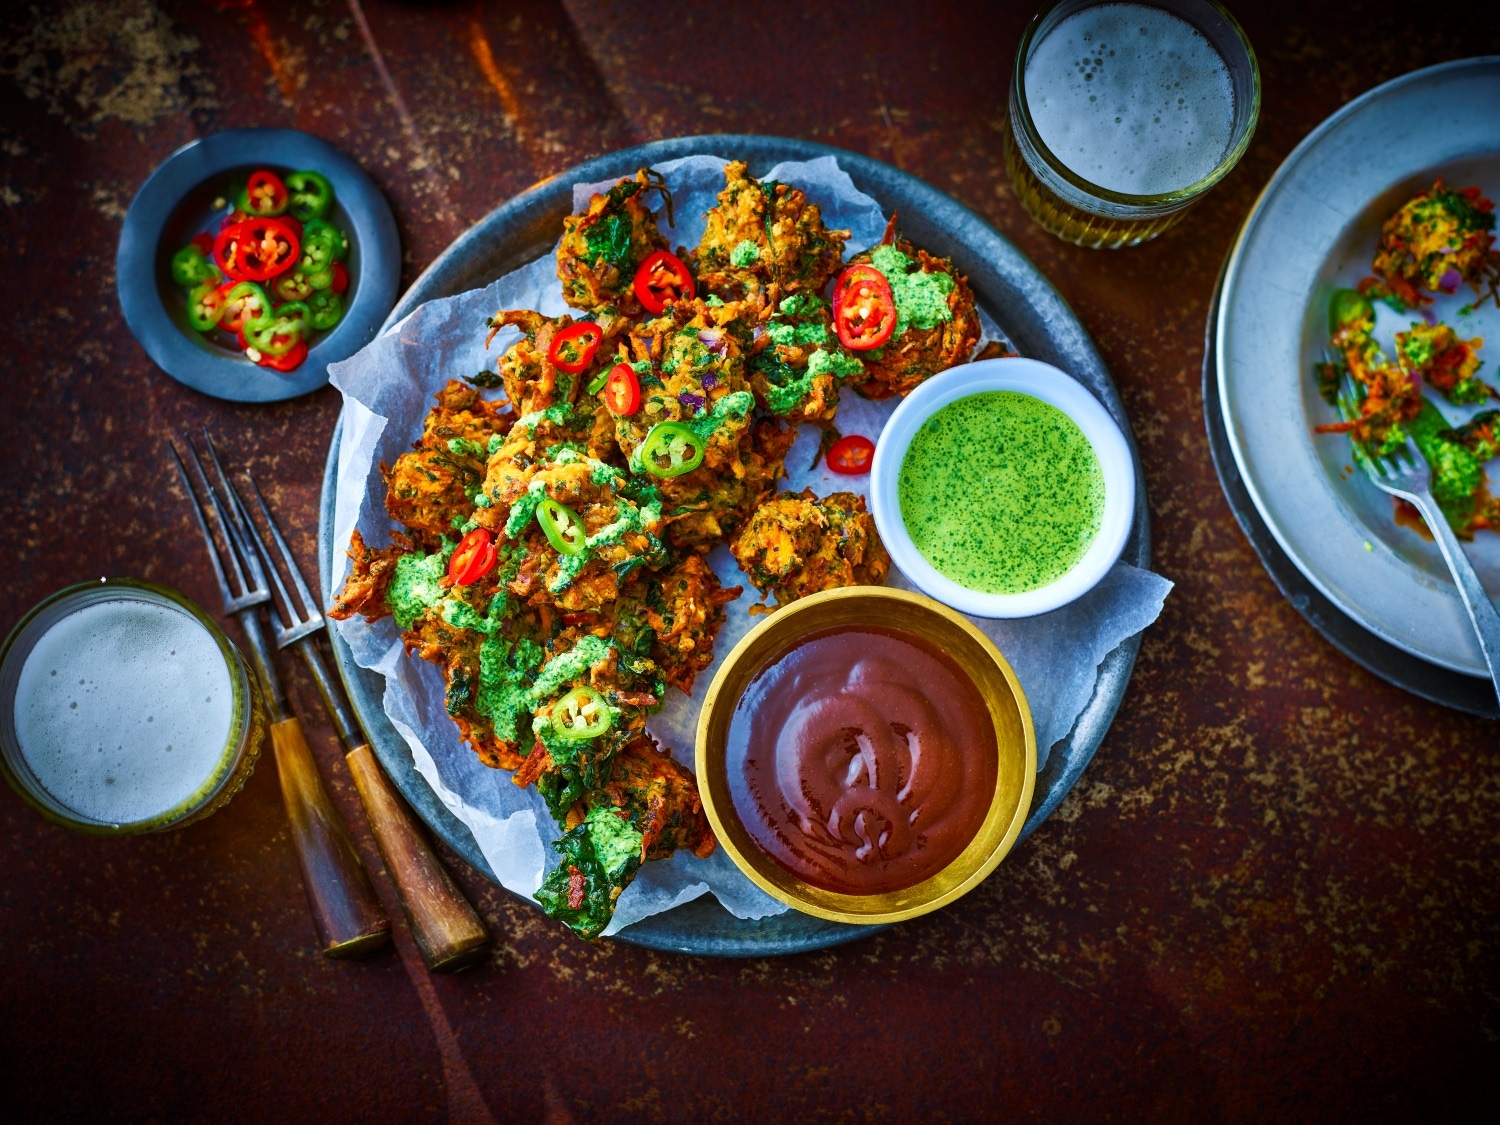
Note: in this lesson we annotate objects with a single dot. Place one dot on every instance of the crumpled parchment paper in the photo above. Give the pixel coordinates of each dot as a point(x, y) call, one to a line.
point(388, 389)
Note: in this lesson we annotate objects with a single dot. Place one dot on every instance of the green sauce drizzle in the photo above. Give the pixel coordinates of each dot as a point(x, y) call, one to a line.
point(921, 297)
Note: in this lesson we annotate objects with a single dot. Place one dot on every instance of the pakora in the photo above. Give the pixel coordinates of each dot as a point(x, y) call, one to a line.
point(1435, 354)
point(602, 249)
point(800, 364)
point(433, 485)
point(937, 322)
point(764, 241)
point(1386, 397)
point(649, 808)
point(1458, 480)
point(691, 373)
point(1480, 435)
point(1386, 407)
point(704, 507)
point(796, 545)
point(1437, 241)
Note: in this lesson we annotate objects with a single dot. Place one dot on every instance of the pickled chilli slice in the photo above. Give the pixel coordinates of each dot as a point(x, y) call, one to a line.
point(311, 195)
point(562, 526)
point(285, 362)
point(256, 249)
point(278, 332)
point(573, 348)
point(473, 558)
point(672, 449)
point(864, 311)
point(243, 302)
point(190, 267)
point(206, 306)
point(263, 195)
point(582, 713)
point(325, 309)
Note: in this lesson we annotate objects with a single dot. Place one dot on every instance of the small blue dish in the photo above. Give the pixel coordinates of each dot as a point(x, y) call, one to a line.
point(176, 202)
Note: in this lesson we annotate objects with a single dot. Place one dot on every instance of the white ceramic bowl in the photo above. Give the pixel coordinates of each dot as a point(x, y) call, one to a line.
point(1054, 387)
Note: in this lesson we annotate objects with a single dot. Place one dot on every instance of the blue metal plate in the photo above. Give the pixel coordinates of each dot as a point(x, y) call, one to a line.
point(176, 202)
point(1035, 318)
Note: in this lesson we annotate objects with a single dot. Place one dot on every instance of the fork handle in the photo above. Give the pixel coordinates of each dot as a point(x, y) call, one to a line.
point(350, 920)
point(1481, 609)
point(446, 928)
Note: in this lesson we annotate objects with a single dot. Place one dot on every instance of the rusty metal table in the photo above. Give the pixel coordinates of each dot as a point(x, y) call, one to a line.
point(1275, 893)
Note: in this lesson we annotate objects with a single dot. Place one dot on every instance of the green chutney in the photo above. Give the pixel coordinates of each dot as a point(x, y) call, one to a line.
point(1001, 492)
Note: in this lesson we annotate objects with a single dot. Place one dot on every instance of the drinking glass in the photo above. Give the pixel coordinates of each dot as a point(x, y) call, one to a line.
point(1068, 204)
point(232, 765)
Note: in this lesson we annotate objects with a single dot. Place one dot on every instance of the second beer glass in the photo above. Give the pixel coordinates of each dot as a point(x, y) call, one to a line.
point(1122, 116)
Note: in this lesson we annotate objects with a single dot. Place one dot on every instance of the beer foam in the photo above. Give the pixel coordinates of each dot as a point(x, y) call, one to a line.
point(1133, 99)
point(123, 709)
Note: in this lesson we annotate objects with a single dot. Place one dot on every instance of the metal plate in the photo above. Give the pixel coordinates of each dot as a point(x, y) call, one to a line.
point(175, 202)
point(1022, 301)
point(1472, 694)
point(1313, 229)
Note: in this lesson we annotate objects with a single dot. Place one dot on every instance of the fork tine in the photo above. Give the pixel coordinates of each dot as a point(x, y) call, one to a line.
point(309, 609)
point(1348, 397)
point(208, 539)
point(230, 542)
point(281, 623)
point(243, 536)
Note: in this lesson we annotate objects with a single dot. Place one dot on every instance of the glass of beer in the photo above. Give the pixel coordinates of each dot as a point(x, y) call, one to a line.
point(125, 709)
point(1122, 116)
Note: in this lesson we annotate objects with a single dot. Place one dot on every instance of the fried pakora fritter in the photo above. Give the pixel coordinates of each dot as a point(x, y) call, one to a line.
point(617, 524)
point(370, 572)
point(685, 608)
point(1388, 398)
point(564, 763)
point(937, 324)
point(1435, 354)
point(764, 241)
point(602, 248)
point(797, 371)
point(691, 371)
point(798, 545)
point(1438, 240)
point(431, 487)
point(704, 507)
point(1480, 435)
point(533, 383)
point(649, 808)
point(1386, 408)
point(1456, 461)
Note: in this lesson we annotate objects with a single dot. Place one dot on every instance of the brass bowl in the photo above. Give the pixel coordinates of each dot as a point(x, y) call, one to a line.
point(1014, 739)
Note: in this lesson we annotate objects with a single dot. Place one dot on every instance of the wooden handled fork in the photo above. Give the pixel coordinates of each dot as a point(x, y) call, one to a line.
point(446, 927)
point(349, 918)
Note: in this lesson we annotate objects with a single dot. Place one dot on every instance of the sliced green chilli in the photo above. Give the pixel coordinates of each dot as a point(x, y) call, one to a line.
point(293, 286)
point(311, 195)
point(562, 526)
point(206, 306)
point(580, 714)
point(326, 308)
point(671, 449)
point(277, 333)
point(190, 266)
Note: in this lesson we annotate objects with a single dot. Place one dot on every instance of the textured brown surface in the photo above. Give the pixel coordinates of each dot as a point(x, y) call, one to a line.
point(1274, 894)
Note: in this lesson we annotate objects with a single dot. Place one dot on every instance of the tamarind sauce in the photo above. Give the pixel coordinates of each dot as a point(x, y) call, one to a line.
point(862, 759)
